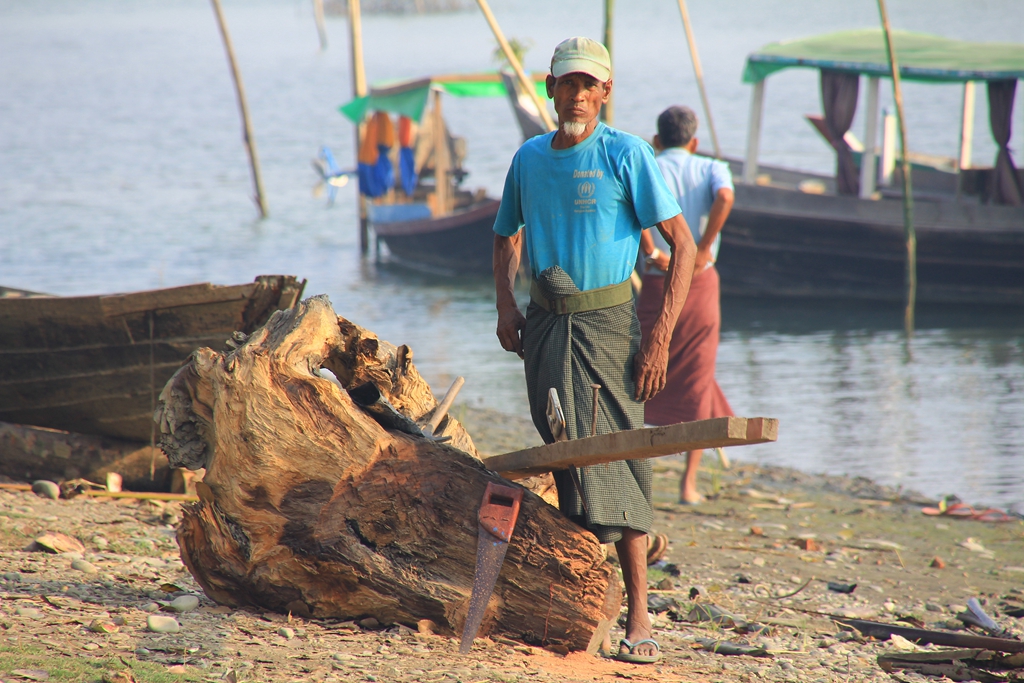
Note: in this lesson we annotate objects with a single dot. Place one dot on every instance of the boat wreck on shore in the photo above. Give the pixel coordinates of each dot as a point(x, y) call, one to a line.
point(94, 365)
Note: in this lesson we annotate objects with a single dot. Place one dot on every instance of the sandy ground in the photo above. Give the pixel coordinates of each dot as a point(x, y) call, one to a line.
point(765, 532)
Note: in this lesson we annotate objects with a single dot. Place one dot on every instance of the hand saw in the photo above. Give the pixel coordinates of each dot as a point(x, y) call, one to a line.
point(497, 518)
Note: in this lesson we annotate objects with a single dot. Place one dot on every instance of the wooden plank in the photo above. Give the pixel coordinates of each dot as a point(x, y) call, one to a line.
point(189, 295)
point(634, 444)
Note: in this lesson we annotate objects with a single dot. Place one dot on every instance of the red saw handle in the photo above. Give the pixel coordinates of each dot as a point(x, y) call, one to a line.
point(500, 509)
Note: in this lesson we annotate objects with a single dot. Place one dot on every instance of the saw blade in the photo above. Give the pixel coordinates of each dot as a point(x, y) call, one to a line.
point(490, 555)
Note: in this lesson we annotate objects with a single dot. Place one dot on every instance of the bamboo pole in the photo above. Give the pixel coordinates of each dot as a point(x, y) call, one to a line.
point(318, 15)
point(699, 73)
point(608, 110)
point(250, 142)
point(908, 198)
point(524, 80)
point(355, 29)
point(442, 160)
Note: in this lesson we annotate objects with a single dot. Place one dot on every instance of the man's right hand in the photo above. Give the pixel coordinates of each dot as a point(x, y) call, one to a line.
point(511, 323)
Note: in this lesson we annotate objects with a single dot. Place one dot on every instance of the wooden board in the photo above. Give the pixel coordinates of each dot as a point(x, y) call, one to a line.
point(634, 444)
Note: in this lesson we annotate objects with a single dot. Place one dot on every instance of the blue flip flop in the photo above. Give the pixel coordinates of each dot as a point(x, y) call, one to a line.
point(634, 658)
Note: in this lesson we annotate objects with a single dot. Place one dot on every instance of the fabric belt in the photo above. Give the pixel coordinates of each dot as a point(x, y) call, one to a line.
point(590, 300)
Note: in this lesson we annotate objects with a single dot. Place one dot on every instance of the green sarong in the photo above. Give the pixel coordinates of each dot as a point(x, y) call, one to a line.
point(570, 352)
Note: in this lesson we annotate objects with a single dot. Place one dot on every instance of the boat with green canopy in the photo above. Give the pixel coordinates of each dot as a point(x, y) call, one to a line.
point(792, 233)
point(421, 212)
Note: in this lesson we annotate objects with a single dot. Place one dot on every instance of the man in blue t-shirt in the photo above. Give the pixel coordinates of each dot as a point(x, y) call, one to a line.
point(581, 196)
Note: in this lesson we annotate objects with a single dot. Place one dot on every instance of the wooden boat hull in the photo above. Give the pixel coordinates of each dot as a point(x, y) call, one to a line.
point(785, 243)
point(461, 243)
point(95, 364)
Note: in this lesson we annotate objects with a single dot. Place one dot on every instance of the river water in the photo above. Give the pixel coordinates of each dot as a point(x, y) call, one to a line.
point(122, 168)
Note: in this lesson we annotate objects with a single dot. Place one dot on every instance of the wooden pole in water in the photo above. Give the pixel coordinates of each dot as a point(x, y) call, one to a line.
point(524, 80)
point(318, 15)
point(607, 110)
point(908, 198)
point(250, 142)
point(699, 73)
point(355, 29)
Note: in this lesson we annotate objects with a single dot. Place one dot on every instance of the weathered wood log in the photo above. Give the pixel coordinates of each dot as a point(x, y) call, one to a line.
point(310, 506)
point(29, 453)
point(650, 442)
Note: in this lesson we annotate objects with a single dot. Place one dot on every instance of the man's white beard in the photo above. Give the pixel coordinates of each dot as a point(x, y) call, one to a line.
point(574, 129)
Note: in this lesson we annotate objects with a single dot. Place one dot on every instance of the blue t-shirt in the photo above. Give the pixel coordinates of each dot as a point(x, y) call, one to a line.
point(585, 207)
point(695, 182)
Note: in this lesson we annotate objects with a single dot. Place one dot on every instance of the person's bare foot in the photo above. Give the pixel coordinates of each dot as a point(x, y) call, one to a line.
point(638, 627)
point(632, 550)
point(688, 494)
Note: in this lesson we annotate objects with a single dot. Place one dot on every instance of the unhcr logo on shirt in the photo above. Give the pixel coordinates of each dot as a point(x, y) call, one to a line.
point(585, 202)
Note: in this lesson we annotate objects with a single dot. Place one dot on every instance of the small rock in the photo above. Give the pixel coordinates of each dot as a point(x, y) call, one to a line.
point(183, 603)
point(150, 607)
point(30, 612)
point(162, 624)
point(101, 626)
point(932, 607)
point(665, 584)
point(425, 627)
point(808, 544)
point(31, 674)
point(286, 633)
point(756, 531)
point(938, 563)
point(901, 644)
point(100, 542)
point(46, 489)
point(758, 561)
point(84, 566)
point(141, 652)
point(954, 624)
point(90, 646)
point(342, 657)
point(889, 606)
point(13, 576)
point(369, 623)
point(54, 542)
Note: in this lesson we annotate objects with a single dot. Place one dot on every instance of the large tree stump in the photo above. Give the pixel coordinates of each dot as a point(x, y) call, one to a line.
point(310, 506)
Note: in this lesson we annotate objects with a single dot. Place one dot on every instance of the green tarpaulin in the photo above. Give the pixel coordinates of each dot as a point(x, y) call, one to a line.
point(409, 98)
point(921, 57)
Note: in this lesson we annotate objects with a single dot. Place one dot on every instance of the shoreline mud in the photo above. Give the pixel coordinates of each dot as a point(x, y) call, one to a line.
point(763, 549)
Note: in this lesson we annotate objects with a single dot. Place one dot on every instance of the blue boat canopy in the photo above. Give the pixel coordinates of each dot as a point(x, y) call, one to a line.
point(921, 57)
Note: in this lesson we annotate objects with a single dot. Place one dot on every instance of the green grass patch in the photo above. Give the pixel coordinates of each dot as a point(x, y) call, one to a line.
point(85, 670)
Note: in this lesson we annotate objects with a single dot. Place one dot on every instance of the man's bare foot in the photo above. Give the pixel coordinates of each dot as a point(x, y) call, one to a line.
point(632, 550)
point(688, 494)
point(639, 628)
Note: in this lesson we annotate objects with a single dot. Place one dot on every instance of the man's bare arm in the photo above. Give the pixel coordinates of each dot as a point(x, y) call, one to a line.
point(650, 365)
point(716, 220)
point(507, 254)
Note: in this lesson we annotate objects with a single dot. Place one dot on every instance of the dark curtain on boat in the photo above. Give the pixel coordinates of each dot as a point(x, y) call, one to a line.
point(1006, 187)
point(839, 101)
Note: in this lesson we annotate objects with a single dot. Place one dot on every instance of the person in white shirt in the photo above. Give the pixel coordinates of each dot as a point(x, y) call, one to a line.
point(703, 187)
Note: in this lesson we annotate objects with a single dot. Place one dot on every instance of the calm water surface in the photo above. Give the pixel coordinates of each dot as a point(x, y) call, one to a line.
point(122, 168)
